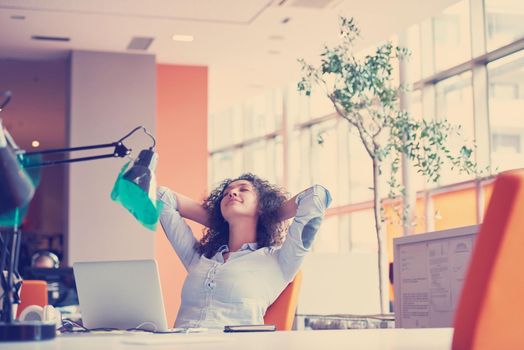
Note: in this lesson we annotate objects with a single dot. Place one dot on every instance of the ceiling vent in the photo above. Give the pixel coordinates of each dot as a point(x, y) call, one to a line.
point(140, 43)
point(50, 38)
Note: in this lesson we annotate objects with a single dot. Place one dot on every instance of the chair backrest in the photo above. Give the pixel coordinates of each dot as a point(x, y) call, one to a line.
point(492, 298)
point(33, 292)
point(282, 312)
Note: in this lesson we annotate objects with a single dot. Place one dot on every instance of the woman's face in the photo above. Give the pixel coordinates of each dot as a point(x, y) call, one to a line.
point(240, 199)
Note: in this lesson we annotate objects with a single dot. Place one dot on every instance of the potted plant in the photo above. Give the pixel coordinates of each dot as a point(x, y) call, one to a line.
point(363, 92)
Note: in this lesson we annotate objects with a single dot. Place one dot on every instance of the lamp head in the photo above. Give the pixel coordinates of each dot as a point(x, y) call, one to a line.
point(16, 189)
point(142, 173)
point(135, 189)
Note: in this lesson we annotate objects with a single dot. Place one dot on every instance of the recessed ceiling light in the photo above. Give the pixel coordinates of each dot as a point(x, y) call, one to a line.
point(273, 52)
point(35, 143)
point(183, 38)
point(276, 37)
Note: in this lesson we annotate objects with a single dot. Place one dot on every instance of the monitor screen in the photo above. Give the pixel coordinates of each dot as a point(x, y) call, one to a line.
point(61, 286)
point(429, 270)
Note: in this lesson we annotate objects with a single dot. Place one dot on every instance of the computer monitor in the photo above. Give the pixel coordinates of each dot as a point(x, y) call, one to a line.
point(428, 273)
point(61, 287)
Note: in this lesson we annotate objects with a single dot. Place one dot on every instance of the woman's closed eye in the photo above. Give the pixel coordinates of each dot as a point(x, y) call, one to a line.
point(243, 189)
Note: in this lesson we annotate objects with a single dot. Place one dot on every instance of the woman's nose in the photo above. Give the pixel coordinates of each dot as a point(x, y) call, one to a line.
point(233, 193)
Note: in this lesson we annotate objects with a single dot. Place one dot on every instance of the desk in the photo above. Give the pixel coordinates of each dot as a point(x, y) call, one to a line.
point(379, 339)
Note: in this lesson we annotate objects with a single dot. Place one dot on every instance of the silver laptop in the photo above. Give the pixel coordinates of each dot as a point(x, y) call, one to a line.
point(120, 294)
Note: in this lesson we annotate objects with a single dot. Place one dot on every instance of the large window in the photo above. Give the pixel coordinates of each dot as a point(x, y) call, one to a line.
point(247, 138)
point(414, 61)
point(504, 22)
point(362, 231)
point(262, 114)
point(226, 128)
point(452, 36)
point(455, 104)
point(324, 156)
point(506, 111)
point(360, 170)
point(276, 135)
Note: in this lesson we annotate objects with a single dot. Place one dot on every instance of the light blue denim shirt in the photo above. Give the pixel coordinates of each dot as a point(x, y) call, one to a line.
point(238, 291)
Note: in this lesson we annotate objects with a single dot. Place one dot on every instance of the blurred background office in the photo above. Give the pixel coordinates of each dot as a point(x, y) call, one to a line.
point(216, 82)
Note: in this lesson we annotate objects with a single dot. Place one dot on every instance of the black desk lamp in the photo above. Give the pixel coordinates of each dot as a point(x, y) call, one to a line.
point(135, 189)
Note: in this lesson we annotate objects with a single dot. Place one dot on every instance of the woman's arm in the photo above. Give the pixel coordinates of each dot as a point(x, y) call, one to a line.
point(176, 229)
point(191, 209)
point(308, 210)
point(288, 209)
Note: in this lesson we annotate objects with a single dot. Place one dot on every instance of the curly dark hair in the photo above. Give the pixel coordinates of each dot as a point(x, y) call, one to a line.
point(269, 228)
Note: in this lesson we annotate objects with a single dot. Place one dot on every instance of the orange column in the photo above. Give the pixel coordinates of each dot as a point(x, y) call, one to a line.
point(182, 164)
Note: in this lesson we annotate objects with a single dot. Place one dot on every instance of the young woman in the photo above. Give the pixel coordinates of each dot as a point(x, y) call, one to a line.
point(240, 266)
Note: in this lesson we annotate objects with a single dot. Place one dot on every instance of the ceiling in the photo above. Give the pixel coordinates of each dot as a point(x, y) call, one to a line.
point(248, 45)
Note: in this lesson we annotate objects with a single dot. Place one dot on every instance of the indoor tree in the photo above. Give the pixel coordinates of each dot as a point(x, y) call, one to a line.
point(363, 92)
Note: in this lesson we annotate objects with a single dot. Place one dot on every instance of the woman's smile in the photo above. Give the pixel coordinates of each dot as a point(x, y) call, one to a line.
point(233, 201)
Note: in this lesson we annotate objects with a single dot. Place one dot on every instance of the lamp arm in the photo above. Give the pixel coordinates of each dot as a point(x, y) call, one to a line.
point(119, 151)
point(71, 149)
point(63, 161)
point(145, 131)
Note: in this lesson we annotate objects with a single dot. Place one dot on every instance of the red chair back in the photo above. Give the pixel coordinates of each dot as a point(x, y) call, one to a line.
point(492, 298)
point(282, 312)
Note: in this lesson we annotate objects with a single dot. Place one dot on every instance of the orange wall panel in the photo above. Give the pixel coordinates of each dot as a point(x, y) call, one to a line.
point(488, 191)
point(182, 165)
point(455, 209)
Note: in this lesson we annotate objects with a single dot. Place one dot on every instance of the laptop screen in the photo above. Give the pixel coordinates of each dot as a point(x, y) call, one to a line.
point(120, 295)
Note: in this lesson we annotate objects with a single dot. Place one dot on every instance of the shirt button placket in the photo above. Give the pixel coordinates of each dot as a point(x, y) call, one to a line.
point(210, 283)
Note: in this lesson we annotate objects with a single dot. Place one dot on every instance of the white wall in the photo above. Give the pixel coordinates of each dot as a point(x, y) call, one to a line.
point(339, 284)
point(110, 94)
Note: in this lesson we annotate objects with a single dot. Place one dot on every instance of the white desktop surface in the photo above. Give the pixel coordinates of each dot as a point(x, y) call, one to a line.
point(383, 339)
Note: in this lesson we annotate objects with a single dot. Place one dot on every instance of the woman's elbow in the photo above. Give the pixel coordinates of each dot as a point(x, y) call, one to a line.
point(323, 193)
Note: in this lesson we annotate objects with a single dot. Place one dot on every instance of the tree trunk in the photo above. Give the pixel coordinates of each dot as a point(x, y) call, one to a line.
point(409, 195)
point(409, 199)
point(383, 270)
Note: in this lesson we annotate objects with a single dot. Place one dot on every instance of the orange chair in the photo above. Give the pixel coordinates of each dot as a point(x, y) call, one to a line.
point(488, 315)
point(33, 292)
point(282, 312)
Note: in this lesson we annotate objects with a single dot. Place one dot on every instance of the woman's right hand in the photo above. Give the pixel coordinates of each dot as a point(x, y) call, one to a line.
point(190, 209)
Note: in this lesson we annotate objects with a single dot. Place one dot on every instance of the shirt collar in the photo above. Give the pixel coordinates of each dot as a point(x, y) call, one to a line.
point(251, 246)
